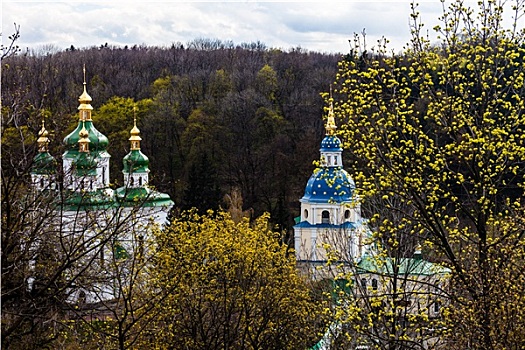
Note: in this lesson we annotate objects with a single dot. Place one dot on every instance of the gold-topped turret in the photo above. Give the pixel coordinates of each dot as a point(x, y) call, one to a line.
point(135, 135)
point(43, 141)
point(83, 141)
point(330, 122)
point(85, 107)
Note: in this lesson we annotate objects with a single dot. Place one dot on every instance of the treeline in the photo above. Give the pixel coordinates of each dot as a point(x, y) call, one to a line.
point(214, 116)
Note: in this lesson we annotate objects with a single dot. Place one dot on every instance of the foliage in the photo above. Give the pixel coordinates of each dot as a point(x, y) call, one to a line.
point(232, 285)
point(438, 139)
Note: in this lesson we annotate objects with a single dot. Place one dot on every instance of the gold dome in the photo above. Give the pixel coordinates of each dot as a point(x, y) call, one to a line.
point(42, 138)
point(135, 136)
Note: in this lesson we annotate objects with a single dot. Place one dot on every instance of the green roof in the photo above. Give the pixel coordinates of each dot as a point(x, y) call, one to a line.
point(142, 196)
point(120, 252)
point(135, 162)
point(405, 266)
point(44, 163)
point(97, 140)
point(89, 200)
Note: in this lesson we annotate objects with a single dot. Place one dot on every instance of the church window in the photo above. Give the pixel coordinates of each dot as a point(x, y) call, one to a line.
point(325, 216)
point(91, 185)
point(347, 214)
point(329, 160)
point(140, 181)
point(131, 181)
point(305, 213)
point(103, 175)
point(436, 306)
point(41, 182)
point(374, 284)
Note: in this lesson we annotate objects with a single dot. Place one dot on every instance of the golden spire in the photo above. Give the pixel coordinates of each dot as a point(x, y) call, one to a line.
point(330, 122)
point(135, 133)
point(85, 102)
point(42, 141)
point(83, 141)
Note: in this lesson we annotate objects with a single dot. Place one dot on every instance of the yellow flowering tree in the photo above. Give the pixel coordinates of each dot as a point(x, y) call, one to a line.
point(438, 146)
point(229, 285)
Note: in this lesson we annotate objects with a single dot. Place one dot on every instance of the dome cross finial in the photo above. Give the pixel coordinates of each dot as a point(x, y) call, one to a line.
point(85, 101)
point(135, 133)
point(330, 122)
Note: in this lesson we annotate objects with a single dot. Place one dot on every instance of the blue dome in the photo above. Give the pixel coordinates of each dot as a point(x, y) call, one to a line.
point(329, 185)
point(331, 143)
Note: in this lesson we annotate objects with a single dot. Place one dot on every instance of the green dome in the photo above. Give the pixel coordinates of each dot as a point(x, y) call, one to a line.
point(85, 164)
point(98, 141)
point(143, 196)
point(135, 162)
point(44, 163)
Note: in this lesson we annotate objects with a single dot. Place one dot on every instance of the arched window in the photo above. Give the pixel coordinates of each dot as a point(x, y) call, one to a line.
point(131, 180)
point(306, 214)
point(374, 284)
point(41, 182)
point(103, 175)
point(347, 214)
point(140, 181)
point(325, 216)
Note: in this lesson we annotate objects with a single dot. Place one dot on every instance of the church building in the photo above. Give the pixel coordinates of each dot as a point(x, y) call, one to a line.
point(330, 212)
point(110, 223)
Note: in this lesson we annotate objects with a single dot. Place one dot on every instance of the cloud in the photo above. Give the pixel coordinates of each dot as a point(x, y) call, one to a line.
point(317, 26)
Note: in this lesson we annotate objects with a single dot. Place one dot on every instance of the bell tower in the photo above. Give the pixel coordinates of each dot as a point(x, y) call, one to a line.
point(330, 212)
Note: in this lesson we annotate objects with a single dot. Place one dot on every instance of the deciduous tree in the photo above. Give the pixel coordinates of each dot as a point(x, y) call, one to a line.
point(441, 129)
point(232, 285)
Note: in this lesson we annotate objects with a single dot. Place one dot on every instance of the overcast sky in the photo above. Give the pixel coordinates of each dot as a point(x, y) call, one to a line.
point(316, 26)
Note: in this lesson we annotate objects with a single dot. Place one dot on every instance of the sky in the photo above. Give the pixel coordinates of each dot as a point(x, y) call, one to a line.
point(318, 26)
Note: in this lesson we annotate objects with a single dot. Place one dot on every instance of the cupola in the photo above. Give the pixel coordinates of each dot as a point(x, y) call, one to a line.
point(98, 141)
point(330, 182)
point(136, 189)
point(44, 165)
point(136, 163)
point(85, 147)
point(329, 210)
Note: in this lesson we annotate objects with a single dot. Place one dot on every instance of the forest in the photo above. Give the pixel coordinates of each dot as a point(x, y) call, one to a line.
point(214, 117)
